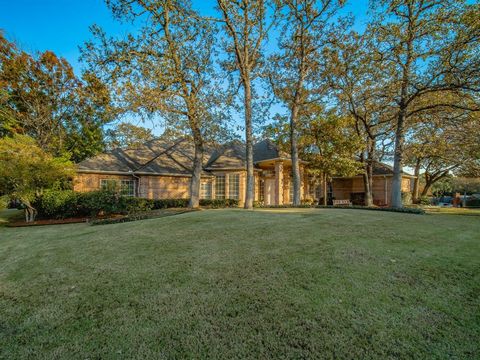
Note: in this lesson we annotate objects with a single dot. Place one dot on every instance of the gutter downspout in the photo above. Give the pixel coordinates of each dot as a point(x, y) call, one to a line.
point(137, 186)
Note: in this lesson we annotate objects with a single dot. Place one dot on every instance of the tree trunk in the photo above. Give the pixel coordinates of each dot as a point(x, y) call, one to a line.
point(398, 161)
point(249, 194)
point(427, 187)
point(368, 175)
point(294, 155)
point(324, 186)
point(416, 183)
point(195, 182)
point(432, 179)
point(30, 211)
point(368, 188)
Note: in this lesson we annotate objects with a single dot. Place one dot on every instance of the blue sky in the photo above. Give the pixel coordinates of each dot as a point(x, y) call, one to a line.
point(63, 25)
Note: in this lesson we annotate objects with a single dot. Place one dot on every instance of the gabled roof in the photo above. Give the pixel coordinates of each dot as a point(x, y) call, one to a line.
point(228, 156)
point(162, 157)
point(382, 169)
point(267, 150)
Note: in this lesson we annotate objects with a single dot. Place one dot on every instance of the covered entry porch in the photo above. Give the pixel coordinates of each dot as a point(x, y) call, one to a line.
point(275, 183)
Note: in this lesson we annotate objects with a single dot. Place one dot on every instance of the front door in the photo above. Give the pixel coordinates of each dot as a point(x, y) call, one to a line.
point(269, 191)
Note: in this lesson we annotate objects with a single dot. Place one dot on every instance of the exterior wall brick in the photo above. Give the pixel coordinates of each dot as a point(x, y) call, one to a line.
point(164, 187)
point(381, 190)
point(84, 182)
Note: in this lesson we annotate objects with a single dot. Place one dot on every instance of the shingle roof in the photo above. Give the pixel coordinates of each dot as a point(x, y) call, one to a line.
point(266, 150)
point(176, 157)
point(380, 168)
point(162, 157)
point(228, 156)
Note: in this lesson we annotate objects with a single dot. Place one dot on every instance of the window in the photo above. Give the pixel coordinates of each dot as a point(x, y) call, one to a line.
point(108, 184)
point(261, 196)
point(127, 187)
point(206, 190)
point(311, 189)
point(233, 186)
point(220, 187)
point(124, 187)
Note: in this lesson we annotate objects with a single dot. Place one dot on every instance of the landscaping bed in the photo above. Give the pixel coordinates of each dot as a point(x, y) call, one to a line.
point(103, 220)
point(47, 222)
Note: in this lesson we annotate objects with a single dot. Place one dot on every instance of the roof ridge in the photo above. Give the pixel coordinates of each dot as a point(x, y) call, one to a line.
point(159, 154)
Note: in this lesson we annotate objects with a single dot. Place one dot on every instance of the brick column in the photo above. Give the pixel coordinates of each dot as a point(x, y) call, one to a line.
point(227, 183)
point(279, 183)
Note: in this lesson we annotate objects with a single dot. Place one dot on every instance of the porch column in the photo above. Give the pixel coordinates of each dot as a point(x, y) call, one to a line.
point(279, 183)
point(227, 186)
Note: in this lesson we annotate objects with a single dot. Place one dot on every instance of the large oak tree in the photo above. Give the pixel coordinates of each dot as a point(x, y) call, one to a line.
point(298, 70)
point(40, 96)
point(247, 27)
point(163, 69)
point(424, 47)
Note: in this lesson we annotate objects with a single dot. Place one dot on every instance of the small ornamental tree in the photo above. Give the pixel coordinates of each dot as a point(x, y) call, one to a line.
point(26, 170)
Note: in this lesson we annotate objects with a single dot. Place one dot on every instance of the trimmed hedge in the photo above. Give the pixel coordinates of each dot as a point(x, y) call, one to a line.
point(354, 207)
point(169, 203)
point(61, 204)
point(406, 210)
point(218, 204)
point(57, 204)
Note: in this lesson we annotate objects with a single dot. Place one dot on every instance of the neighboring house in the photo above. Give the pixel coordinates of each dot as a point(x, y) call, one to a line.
point(162, 169)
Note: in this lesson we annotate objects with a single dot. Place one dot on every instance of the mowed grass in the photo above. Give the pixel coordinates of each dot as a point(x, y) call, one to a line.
point(303, 283)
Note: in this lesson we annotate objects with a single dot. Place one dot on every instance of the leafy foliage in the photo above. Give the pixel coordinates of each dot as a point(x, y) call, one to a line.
point(60, 204)
point(163, 69)
point(126, 135)
point(26, 170)
point(425, 49)
point(42, 97)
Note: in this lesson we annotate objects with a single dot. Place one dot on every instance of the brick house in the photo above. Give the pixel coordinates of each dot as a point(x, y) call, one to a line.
point(162, 169)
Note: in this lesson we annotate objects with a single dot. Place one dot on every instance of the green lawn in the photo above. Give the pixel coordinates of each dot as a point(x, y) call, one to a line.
point(303, 283)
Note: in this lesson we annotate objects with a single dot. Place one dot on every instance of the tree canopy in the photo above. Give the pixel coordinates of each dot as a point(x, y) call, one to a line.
point(42, 97)
point(26, 170)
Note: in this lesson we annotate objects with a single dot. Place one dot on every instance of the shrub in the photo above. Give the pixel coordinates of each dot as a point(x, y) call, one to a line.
point(170, 203)
point(473, 202)
point(219, 203)
point(61, 204)
point(286, 206)
point(4, 202)
point(425, 200)
point(131, 205)
point(258, 204)
point(57, 204)
point(406, 210)
point(67, 203)
point(406, 198)
point(94, 203)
